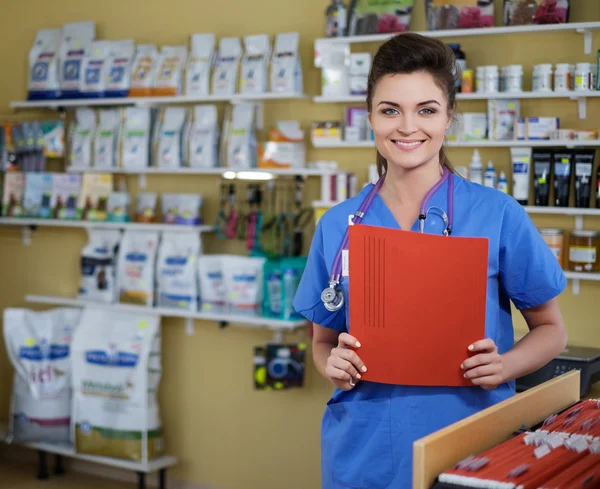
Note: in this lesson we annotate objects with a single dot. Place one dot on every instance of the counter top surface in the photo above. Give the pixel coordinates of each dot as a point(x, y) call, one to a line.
point(594, 392)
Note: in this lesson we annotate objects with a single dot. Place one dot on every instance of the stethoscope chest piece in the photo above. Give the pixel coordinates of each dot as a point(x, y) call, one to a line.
point(333, 298)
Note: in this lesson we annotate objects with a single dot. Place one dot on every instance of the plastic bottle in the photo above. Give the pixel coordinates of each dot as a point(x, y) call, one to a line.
point(489, 179)
point(476, 169)
point(336, 19)
point(503, 183)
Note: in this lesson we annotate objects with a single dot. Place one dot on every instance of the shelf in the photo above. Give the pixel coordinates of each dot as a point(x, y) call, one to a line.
point(585, 28)
point(565, 211)
point(241, 319)
point(228, 172)
point(151, 101)
point(472, 144)
point(67, 450)
point(321, 204)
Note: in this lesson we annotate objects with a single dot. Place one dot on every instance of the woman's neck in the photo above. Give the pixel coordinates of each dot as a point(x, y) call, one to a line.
point(409, 187)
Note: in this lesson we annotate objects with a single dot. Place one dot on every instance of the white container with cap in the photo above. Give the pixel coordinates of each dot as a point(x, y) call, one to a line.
point(476, 169)
point(479, 79)
point(492, 79)
point(513, 78)
point(562, 77)
point(583, 76)
point(542, 78)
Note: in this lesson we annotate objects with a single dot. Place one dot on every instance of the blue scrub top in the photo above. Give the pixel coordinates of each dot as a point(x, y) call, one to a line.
point(367, 433)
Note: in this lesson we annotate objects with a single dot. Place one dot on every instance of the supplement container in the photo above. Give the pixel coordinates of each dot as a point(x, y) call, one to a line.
point(479, 79)
point(513, 78)
point(542, 78)
point(467, 81)
point(583, 251)
point(583, 76)
point(555, 239)
point(562, 78)
point(491, 80)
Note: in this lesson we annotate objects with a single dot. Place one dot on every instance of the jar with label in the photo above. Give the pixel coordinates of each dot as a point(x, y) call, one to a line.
point(583, 76)
point(542, 78)
point(513, 78)
point(562, 77)
point(492, 79)
point(583, 251)
point(555, 239)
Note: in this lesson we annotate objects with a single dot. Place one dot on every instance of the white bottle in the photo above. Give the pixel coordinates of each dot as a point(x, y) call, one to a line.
point(503, 183)
point(476, 169)
point(489, 179)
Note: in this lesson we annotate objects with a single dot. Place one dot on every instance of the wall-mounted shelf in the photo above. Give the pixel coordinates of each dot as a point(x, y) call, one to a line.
point(246, 319)
point(568, 143)
point(151, 101)
point(585, 28)
point(227, 172)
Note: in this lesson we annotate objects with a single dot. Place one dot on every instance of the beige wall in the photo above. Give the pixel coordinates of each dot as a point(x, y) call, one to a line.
point(225, 434)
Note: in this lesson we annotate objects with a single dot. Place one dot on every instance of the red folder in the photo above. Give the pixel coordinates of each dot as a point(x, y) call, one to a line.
point(417, 301)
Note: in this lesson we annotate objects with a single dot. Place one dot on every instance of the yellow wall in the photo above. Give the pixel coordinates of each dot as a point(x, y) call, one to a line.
point(225, 434)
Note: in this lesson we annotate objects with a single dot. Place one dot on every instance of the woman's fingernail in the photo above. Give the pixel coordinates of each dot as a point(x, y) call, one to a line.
point(357, 344)
point(471, 347)
point(364, 369)
point(358, 376)
point(462, 366)
point(465, 376)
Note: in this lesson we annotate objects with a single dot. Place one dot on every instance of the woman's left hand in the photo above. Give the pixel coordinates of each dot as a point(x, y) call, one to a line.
point(486, 367)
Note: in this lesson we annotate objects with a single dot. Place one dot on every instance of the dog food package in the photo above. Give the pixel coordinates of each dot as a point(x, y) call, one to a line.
point(66, 188)
point(243, 277)
point(241, 144)
point(135, 272)
point(98, 266)
point(95, 68)
point(107, 138)
point(136, 138)
point(254, 75)
point(39, 348)
point(116, 359)
point(143, 71)
point(200, 65)
point(120, 61)
point(382, 17)
point(526, 12)
point(281, 279)
point(81, 136)
point(76, 40)
point(225, 74)
point(37, 201)
point(203, 137)
point(146, 207)
point(12, 194)
point(169, 138)
point(44, 80)
point(213, 293)
point(182, 209)
point(459, 14)
point(169, 74)
point(286, 69)
point(118, 207)
point(177, 271)
point(95, 188)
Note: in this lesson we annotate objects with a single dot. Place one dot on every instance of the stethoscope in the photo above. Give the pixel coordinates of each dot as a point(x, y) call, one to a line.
point(333, 295)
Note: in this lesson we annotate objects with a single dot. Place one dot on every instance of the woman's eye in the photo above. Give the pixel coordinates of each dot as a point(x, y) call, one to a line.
point(389, 111)
point(427, 111)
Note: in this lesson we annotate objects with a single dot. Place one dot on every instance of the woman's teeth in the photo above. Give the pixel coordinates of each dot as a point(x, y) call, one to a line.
point(408, 144)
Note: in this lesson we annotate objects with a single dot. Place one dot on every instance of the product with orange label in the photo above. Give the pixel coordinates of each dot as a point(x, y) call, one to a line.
point(144, 67)
point(555, 239)
point(146, 207)
point(285, 148)
point(95, 188)
point(583, 251)
point(135, 271)
point(169, 75)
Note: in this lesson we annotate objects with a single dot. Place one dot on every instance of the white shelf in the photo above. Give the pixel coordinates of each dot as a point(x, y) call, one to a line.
point(205, 171)
point(472, 144)
point(152, 101)
point(581, 27)
point(67, 450)
point(582, 276)
point(321, 204)
point(17, 221)
point(565, 211)
point(242, 319)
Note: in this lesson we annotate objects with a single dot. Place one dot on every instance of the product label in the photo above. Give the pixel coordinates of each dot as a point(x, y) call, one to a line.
point(582, 254)
point(562, 170)
point(345, 263)
point(583, 170)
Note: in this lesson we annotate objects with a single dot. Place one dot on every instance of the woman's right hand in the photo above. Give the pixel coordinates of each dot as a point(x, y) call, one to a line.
point(344, 367)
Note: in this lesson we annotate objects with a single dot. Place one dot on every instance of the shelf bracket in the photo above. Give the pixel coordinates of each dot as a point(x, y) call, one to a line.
point(587, 40)
point(578, 223)
point(582, 106)
point(575, 286)
point(142, 181)
point(278, 338)
point(26, 235)
point(189, 326)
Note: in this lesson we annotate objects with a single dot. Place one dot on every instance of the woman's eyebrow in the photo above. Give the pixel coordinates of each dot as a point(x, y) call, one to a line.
point(394, 104)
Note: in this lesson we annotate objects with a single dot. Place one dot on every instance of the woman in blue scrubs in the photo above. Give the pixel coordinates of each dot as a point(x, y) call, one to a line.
point(368, 428)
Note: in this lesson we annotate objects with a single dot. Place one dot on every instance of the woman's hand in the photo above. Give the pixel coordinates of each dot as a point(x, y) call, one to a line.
point(343, 365)
point(486, 368)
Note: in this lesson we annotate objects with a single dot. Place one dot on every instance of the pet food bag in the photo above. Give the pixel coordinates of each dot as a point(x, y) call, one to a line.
point(169, 138)
point(145, 210)
point(281, 278)
point(12, 195)
point(95, 188)
point(44, 65)
point(144, 68)
point(98, 266)
point(182, 209)
point(177, 271)
point(76, 40)
point(200, 64)
point(243, 278)
point(116, 373)
point(136, 264)
point(37, 200)
point(95, 69)
point(225, 74)
point(107, 138)
point(118, 207)
point(459, 14)
point(203, 138)
point(82, 135)
point(525, 12)
point(382, 17)
point(120, 60)
point(39, 348)
point(241, 144)
point(65, 195)
point(213, 293)
point(169, 75)
point(136, 137)
point(254, 76)
point(286, 70)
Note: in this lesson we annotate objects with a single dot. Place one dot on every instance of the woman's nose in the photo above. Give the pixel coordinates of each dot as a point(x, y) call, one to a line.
point(406, 125)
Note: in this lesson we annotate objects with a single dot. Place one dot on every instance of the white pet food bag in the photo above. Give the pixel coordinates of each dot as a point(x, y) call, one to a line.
point(95, 68)
point(144, 68)
point(243, 281)
point(203, 137)
point(169, 75)
point(82, 135)
point(76, 39)
point(107, 138)
point(177, 271)
point(200, 64)
point(254, 76)
point(213, 293)
point(135, 272)
point(98, 266)
point(136, 138)
point(120, 61)
point(241, 144)
point(286, 69)
point(169, 141)
point(225, 75)
point(116, 374)
point(39, 347)
point(44, 65)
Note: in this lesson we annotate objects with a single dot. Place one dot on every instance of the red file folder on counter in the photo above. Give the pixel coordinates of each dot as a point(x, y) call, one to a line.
point(417, 301)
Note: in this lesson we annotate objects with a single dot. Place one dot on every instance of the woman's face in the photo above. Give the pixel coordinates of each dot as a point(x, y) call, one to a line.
point(409, 117)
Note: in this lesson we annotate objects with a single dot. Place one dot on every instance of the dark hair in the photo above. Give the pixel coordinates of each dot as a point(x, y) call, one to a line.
point(410, 53)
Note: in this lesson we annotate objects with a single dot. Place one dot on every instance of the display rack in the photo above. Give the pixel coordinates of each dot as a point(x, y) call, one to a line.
point(568, 143)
